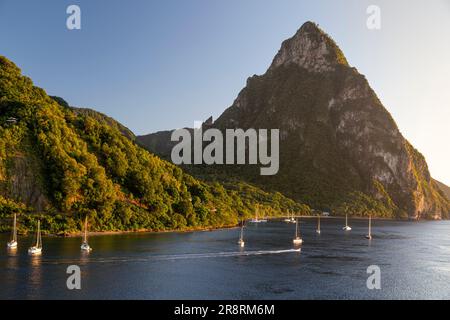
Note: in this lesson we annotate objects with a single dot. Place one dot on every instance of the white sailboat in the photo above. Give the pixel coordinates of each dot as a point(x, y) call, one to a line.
point(318, 224)
point(297, 240)
point(37, 249)
point(292, 220)
point(85, 245)
point(369, 236)
point(288, 218)
point(347, 227)
point(241, 237)
point(13, 243)
point(256, 220)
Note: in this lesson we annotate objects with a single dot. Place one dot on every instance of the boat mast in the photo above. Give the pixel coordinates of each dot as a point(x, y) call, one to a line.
point(346, 220)
point(296, 228)
point(370, 225)
point(85, 230)
point(38, 236)
point(14, 233)
point(318, 227)
point(242, 230)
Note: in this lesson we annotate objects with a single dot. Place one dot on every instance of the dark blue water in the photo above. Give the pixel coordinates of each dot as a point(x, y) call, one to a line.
point(414, 259)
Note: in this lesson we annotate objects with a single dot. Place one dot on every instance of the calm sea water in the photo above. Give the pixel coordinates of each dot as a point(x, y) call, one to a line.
point(414, 259)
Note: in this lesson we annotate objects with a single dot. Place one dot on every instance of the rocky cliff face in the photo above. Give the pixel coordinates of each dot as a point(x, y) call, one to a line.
point(445, 189)
point(310, 49)
point(340, 148)
point(21, 181)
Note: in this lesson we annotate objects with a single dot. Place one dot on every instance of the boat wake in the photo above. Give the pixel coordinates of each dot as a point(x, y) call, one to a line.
point(225, 254)
point(176, 256)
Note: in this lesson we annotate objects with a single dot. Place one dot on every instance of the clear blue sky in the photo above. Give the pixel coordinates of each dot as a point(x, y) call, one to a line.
point(156, 65)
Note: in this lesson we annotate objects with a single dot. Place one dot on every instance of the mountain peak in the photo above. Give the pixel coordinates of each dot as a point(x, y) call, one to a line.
point(310, 48)
point(310, 26)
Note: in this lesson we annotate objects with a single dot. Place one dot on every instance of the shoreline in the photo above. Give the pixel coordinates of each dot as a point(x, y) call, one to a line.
point(210, 229)
point(140, 231)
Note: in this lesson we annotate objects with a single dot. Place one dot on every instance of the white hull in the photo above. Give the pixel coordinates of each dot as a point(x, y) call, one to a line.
point(318, 231)
point(297, 241)
point(86, 247)
point(35, 250)
point(241, 243)
point(257, 221)
point(12, 244)
point(368, 237)
point(346, 228)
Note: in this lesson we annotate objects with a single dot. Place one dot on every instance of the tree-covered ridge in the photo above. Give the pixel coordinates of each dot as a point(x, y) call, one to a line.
point(60, 165)
point(102, 118)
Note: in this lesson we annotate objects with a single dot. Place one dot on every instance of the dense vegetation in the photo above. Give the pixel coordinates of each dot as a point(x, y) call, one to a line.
point(60, 164)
